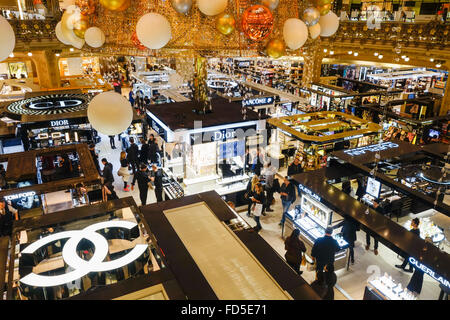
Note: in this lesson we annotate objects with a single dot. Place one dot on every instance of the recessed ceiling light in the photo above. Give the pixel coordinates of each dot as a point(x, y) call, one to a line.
point(380, 56)
point(30, 54)
point(57, 54)
point(431, 59)
point(406, 58)
point(350, 52)
point(11, 55)
point(71, 49)
point(331, 52)
point(325, 50)
point(355, 54)
point(438, 65)
point(375, 54)
point(403, 57)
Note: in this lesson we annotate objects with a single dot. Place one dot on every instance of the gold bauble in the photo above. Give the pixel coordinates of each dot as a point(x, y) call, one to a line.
point(320, 3)
point(114, 5)
point(324, 9)
point(80, 27)
point(225, 23)
point(275, 48)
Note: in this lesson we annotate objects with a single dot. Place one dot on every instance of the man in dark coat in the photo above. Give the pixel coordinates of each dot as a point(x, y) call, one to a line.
point(349, 228)
point(144, 152)
point(107, 173)
point(293, 169)
point(152, 151)
point(133, 155)
point(156, 178)
point(143, 178)
point(324, 250)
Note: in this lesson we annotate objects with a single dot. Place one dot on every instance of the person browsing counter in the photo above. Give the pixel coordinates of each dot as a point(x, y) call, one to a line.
point(258, 200)
point(287, 193)
point(324, 250)
point(414, 229)
point(294, 249)
point(143, 180)
point(156, 178)
point(349, 228)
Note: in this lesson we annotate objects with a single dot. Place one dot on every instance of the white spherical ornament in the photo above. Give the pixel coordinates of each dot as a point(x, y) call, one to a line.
point(59, 34)
point(68, 19)
point(110, 113)
point(295, 33)
point(94, 37)
point(212, 7)
point(314, 31)
point(153, 30)
point(7, 39)
point(329, 24)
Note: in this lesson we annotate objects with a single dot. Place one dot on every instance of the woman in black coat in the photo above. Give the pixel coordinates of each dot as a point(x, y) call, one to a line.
point(349, 228)
point(294, 249)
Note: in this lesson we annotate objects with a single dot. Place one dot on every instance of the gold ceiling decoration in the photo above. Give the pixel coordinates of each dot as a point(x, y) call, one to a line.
point(194, 32)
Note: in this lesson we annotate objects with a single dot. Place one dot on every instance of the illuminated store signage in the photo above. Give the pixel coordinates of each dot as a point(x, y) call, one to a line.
point(354, 137)
point(309, 192)
point(20, 195)
point(430, 272)
point(254, 102)
point(58, 123)
point(81, 267)
point(372, 148)
point(50, 104)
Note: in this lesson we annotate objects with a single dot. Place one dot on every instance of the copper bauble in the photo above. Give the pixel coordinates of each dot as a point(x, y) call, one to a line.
point(324, 9)
point(114, 5)
point(257, 22)
point(271, 4)
point(87, 7)
point(80, 26)
point(275, 48)
point(225, 23)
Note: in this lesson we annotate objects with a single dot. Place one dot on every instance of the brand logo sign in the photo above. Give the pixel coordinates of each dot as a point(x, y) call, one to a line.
point(44, 105)
point(57, 123)
point(81, 267)
point(309, 192)
point(430, 272)
point(20, 195)
point(372, 148)
point(254, 102)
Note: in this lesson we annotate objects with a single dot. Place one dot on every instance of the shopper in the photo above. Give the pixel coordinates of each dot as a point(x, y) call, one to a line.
point(94, 156)
point(144, 152)
point(324, 250)
point(107, 173)
point(65, 168)
point(380, 209)
point(133, 155)
point(287, 193)
point(124, 171)
point(156, 178)
point(7, 215)
point(153, 149)
point(143, 180)
point(269, 175)
point(3, 183)
point(294, 248)
point(361, 189)
point(111, 142)
point(349, 228)
point(251, 186)
point(131, 98)
point(347, 187)
point(108, 192)
point(258, 198)
point(414, 229)
point(293, 169)
point(257, 163)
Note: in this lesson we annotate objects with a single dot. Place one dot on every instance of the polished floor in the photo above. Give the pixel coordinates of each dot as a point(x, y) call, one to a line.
point(350, 284)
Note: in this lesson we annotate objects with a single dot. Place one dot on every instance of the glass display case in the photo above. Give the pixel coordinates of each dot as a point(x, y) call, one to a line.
point(385, 288)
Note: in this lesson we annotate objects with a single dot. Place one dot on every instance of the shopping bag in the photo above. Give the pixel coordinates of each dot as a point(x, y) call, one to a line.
point(303, 260)
point(257, 209)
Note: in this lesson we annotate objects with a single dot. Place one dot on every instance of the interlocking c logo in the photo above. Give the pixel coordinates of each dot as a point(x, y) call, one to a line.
point(82, 267)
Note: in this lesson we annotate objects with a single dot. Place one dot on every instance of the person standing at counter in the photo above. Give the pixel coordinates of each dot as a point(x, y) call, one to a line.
point(251, 186)
point(3, 182)
point(324, 251)
point(107, 174)
point(380, 208)
point(293, 169)
point(414, 229)
point(294, 248)
point(133, 155)
point(152, 149)
point(94, 156)
point(287, 193)
point(258, 200)
point(123, 171)
point(269, 174)
point(349, 228)
point(144, 152)
point(156, 178)
point(143, 179)
point(324, 284)
point(7, 215)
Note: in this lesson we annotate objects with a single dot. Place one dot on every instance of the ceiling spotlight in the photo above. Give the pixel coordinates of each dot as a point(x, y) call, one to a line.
point(406, 58)
point(30, 54)
point(71, 49)
point(11, 55)
point(325, 50)
point(355, 54)
point(431, 59)
point(350, 52)
point(403, 57)
point(375, 54)
point(57, 54)
point(380, 56)
point(331, 52)
point(438, 65)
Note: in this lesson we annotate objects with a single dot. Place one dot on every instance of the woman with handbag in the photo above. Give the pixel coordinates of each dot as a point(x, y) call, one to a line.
point(123, 171)
point(294, 248)
point(258, 199)
point(250, 190)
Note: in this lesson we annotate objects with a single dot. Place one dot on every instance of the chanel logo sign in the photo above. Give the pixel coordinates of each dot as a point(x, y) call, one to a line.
point(70, 256)
point(43, 105)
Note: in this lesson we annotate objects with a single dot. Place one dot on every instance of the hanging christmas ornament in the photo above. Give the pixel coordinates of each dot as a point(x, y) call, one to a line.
point(271, 4)
point(323, 10)
point(114, 5)
point(311, 16)
point(257, 22)
point(295, 33)
point(275, 48)
point(181, 6)
point(136, 41)
point(225, 23)
point(80, 26)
